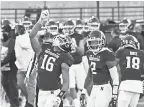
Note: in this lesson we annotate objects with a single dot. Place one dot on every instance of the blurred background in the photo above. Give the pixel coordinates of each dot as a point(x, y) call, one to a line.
point(61, 10)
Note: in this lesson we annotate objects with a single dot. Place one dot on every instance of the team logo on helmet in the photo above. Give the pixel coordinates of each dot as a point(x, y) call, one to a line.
point(63, 42)
point(130, 41)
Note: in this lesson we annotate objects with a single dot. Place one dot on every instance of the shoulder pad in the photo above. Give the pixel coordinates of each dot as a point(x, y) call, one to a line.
point(106, 49)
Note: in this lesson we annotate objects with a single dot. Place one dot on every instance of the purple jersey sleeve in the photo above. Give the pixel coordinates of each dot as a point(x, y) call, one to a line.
point(118, 53)
point(109, 56)
point(67, 58)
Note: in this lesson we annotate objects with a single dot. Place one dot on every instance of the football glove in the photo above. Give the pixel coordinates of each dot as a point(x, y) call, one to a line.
point(83, 98)
point(113, 101)
point(44, 17)
point(56, 102)
point(83, 101)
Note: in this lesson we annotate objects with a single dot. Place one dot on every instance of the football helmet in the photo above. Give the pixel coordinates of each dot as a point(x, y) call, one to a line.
point(63, 42)
point(52, 27)
point(96, 41)
point(68, 27)
point(130, 41)
point(26, 22)
point(79, 26)
point(94, 24)
point(124, 25)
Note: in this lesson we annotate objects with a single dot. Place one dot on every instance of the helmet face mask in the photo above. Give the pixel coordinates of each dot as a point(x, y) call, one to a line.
point(95, 45)
point(68, 30)
point(79, 29)
point(68, 27)
point(123, 26)
point(53, 29)
point(96, 41)
point(94, 26)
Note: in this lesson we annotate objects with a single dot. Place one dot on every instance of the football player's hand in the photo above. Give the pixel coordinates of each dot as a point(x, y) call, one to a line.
point(83, 100)
point(56, 102)
point(44, 17)
point(114, 100)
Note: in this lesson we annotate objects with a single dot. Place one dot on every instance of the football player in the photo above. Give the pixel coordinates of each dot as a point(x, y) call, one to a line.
point(125, 25)
point(94, 23)
point(52, 27)
point(53, 61)
point(79, 28)
point(131, 62)
point(101, 66)
point(76, 72)
point(68, 27)
point(45, 36)
point(26, 23)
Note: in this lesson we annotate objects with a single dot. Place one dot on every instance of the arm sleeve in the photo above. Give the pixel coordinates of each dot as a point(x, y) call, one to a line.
point(68, 59)
point(118, 53)
point(109, 56)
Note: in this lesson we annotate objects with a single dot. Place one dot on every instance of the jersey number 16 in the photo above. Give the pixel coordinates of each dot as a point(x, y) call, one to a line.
point(48, 63)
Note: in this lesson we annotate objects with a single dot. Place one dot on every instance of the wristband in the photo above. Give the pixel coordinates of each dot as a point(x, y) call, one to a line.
point(115, 89)
point(61, 94)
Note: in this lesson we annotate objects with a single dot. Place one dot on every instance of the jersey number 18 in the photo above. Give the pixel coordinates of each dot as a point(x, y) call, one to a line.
point(133, 62)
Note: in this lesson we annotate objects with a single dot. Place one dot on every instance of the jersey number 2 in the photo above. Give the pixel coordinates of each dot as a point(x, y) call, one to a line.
point(93, 67)
point(48, 63)
point(133, 62)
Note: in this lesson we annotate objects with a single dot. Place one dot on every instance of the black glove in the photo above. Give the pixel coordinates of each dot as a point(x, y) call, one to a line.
point(83, 101)
point(113, 101)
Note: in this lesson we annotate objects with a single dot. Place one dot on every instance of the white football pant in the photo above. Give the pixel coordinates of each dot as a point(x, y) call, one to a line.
point(100, 96)
point(45, 98)
point(77, 76)
point(128, 99)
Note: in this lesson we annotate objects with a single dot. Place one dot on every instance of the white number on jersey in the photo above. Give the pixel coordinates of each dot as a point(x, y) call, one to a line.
point(93, 67)
point(74, 45)
point(48, 61)
point(133, 62)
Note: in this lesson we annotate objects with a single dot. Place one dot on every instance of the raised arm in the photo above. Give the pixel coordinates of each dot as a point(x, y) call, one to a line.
point(34, 40)
point(37, 27)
